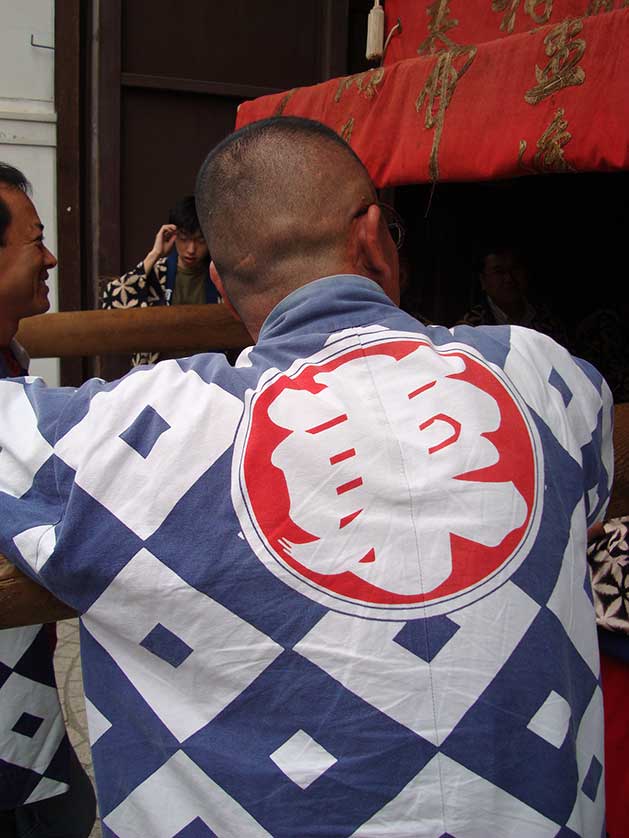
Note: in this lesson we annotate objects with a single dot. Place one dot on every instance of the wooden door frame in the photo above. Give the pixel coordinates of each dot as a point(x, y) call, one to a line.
point(88, 85)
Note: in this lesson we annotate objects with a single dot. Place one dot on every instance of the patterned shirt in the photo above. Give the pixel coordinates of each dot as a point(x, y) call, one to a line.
point(33, 741)
point(339, 589)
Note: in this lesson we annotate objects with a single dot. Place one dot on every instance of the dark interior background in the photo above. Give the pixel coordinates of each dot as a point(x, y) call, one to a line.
point(570, 228)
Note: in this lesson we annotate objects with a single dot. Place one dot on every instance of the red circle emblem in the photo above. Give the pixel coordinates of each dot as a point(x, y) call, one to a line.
point(394, 477)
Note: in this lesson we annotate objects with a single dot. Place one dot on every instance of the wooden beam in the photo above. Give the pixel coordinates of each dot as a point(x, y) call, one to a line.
point(24, 602)
point(159, 329)
point(213, 88)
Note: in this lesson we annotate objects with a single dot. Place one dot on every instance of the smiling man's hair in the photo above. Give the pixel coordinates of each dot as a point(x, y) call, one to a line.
point(10, 178)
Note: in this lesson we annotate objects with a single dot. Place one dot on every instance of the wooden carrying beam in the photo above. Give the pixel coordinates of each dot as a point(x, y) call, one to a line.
point(24, 602)
point(158, 329)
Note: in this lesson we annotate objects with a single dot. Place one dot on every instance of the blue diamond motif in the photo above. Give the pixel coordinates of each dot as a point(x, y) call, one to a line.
point(196, 829)
point(27, 725)
point(556, 381)
point(426, 638)
point(144, 431)
point(166, 645)
point(592, 779)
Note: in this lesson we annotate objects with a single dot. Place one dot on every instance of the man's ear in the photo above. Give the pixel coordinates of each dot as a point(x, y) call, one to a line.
point(375, 253)
point(218, 284)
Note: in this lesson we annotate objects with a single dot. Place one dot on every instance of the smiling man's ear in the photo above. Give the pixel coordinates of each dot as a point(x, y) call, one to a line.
point(218, 284)
point(374, 252)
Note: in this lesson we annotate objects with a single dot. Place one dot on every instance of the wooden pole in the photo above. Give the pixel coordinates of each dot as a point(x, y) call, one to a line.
point(24, 602)
point(119, 331)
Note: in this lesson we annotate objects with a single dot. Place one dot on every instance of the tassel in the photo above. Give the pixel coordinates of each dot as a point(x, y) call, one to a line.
point(375, 32)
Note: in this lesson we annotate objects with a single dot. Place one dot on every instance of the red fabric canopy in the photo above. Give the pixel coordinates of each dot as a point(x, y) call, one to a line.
point(481, 102)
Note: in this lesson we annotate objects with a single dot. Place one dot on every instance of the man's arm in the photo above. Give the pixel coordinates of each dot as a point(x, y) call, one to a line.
point(134, 286)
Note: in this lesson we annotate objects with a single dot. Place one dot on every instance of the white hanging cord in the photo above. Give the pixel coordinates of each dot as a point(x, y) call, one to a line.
point(397, 28)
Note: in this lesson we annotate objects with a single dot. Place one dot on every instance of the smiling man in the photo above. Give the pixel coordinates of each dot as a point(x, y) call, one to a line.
point(44, 791)
point(24, 264)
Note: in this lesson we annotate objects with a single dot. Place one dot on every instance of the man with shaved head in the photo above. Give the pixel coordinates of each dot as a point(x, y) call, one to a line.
point(294, 228)
point(347, 594)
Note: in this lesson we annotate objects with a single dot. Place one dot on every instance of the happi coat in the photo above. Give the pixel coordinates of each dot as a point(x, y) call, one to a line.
point(34, 746)
point(337, 590)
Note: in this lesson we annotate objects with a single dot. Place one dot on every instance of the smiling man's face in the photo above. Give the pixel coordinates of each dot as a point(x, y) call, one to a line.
point(24, 260)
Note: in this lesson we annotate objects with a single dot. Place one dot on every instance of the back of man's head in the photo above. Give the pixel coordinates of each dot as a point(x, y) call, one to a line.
point(275, 202)
point(10, 178)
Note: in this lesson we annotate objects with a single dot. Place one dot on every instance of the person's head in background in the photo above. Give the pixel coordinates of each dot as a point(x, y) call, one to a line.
point(504, 278)
point(24, 258)
point(192, 251)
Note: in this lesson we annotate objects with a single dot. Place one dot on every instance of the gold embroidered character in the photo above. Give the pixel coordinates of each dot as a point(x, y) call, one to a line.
point(565, 51)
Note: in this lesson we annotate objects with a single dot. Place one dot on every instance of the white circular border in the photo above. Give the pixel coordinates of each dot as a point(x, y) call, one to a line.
point(336, 602)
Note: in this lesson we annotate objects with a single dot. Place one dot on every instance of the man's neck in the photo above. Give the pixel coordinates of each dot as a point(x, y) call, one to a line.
point(8, 330)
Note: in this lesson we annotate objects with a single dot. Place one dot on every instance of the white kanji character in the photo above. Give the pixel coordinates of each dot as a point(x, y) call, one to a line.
point(375, 468)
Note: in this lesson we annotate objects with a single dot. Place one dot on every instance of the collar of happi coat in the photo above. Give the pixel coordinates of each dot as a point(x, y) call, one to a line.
point(333, 302)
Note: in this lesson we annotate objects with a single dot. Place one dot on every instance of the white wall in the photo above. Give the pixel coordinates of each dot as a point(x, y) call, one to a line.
point(28, 119)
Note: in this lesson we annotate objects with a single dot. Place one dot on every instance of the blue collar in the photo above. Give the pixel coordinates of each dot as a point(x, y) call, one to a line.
point(338, 298)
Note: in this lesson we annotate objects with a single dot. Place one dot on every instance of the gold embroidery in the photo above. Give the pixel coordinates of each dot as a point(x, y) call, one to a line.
point(549, 155)
point(439, 24)
point(283, 102)
point(346, 130)
point(366, 82)
point(437, 94)
point(565, 51)
point(510, 8)
point(596, 6)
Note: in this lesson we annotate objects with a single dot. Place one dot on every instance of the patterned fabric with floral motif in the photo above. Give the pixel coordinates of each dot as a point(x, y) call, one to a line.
point(609, 561)
point(137, 289)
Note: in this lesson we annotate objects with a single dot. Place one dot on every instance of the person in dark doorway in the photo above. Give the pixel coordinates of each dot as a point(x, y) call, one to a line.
point(44, 791)
point(347, 594)
point(175, 271)
point(505, 300)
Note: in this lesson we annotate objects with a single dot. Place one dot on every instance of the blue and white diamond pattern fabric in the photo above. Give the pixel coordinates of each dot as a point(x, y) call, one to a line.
point(141, 487)
point(31, 722)
point(23, 454)
point(571, 420)
point(97, 724)
point(302, 759)
point(148, 810)
point(552, 719)
point(258, 709)
point(365, 657)
point(445, 792)
point(588, 815)
point(37, 544)
point(569, 592)
point(176, 644)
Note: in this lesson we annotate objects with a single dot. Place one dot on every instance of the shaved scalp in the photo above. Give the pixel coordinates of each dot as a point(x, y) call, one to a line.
point(275, 203)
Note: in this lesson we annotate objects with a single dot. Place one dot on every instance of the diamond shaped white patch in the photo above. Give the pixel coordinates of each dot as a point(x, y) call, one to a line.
point(97, 724)
point(141, 491)
point(226, 652)
point(37, 545)
point(552, 719)
point(302, 759)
